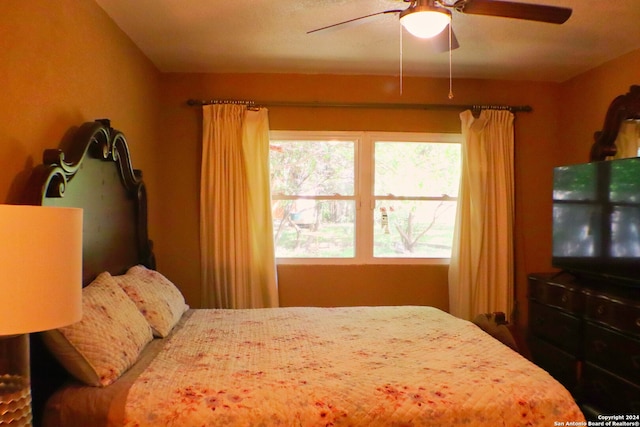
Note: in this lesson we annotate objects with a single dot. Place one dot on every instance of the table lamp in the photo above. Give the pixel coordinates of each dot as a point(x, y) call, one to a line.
point(40, 289)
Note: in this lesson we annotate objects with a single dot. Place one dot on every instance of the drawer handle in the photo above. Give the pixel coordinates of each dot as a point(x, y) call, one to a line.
point(600, 310)
point(638, 322)
point(564, 298)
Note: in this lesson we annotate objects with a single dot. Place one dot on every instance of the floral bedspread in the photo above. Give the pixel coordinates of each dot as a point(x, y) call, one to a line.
point(361, 366)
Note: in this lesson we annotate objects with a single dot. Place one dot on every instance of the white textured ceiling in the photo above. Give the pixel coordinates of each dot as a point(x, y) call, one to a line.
point(270, 36)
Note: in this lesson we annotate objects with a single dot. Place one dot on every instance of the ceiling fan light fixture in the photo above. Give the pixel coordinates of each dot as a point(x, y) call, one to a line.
point(425, 21)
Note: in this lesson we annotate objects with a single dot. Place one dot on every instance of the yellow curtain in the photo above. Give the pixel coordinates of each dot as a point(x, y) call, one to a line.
point(236, 231)
point(481, 269)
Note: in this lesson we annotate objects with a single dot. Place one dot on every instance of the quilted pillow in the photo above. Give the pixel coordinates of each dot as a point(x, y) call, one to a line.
point(107, 340)
point(157, 298)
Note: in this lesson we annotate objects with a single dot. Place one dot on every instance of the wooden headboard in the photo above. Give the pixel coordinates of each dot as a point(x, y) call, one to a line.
point(91, 171)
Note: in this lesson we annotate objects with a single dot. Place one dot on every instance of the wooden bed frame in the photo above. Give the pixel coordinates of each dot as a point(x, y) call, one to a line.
point(91, 171)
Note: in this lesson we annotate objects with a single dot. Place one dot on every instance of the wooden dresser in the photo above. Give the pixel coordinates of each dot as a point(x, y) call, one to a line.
point(586, 333)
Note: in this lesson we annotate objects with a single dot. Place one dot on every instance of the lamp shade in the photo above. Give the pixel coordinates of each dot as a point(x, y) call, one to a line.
point(425, 22)
point(40, 268)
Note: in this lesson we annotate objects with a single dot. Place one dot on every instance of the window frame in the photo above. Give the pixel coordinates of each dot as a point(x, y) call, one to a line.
point(364, 198)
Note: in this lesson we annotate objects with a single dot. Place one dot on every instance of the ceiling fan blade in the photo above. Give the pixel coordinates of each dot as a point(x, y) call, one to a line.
point(440, 42)
point(508, 9)
point(354, 19)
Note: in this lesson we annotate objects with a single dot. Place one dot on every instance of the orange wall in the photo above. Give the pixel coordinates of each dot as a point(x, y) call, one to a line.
point(341, 285)
point(536, 137)
point(64, 62)
point(586, 99)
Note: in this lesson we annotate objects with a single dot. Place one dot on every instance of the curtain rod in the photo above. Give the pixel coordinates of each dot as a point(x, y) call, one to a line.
point(386, 106)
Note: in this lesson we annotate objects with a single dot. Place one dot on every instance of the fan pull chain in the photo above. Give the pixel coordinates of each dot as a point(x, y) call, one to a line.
point(400, 26)
point(450, 73)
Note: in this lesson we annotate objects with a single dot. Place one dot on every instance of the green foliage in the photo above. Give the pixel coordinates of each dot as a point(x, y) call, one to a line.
point(417, 169)
point(312, 168)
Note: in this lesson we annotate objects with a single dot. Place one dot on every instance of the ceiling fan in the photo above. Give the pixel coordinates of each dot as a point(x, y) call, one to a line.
point(428, 18)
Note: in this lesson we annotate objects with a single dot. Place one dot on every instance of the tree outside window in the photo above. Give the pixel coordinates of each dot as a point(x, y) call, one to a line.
point(364, 197)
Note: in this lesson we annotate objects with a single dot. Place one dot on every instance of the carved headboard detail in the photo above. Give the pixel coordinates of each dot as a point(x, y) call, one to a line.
point(92, 172)
point(623, 107)
point(95, 173)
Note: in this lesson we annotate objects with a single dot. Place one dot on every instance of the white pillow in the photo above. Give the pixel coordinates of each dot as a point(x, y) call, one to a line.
point(157, 298)
point(109, 338)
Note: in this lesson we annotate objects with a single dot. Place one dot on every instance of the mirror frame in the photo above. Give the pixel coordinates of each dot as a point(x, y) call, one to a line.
point(623, 107)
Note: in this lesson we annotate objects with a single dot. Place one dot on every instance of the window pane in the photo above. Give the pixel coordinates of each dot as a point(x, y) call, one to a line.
point(314, 228)
point(312, 168)
point(413, 229)
point(417, 169)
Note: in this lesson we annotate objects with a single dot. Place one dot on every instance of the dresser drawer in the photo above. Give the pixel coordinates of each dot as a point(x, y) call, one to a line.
point(619, 314)
point(608, 392)
point(612, 351)
point(553, 325)
point(561, 365)
point(561, 295)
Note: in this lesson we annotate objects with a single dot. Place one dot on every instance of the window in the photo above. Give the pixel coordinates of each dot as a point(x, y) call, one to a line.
point(364, 197)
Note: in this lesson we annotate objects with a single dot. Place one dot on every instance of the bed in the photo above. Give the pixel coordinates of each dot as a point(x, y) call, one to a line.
point(294, 366)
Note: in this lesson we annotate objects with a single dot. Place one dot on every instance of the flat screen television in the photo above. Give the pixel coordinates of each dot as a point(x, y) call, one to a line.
point(596, 220)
